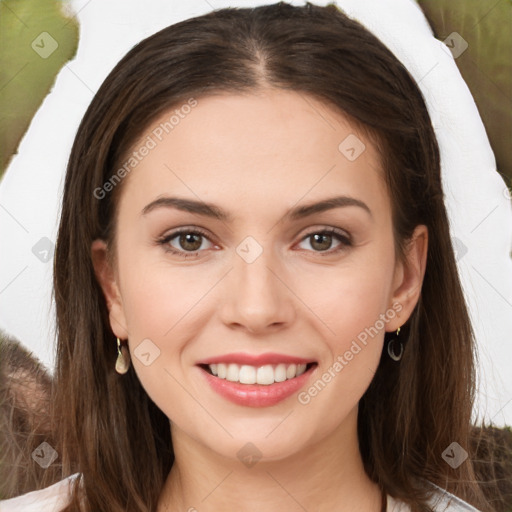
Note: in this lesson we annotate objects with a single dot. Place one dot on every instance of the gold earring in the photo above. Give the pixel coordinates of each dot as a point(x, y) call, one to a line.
point(123, 358)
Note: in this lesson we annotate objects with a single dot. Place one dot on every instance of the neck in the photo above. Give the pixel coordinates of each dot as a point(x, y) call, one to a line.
point(324, 476)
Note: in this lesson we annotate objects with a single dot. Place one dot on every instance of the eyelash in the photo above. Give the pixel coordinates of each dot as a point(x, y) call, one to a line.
point(342, 237)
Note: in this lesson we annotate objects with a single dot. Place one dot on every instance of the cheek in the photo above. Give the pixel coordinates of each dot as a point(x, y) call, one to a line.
point(351, 299)
point(157, 298)
point(354, 305)
point(159, 314)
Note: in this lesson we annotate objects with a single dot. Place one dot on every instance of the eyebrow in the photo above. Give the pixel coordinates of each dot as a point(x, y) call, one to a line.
point(215, 212)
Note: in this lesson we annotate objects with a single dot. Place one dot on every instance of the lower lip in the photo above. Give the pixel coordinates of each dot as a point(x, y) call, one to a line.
point(257, 395)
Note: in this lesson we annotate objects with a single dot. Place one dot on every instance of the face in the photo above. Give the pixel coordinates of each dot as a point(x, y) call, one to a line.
point(226, 266)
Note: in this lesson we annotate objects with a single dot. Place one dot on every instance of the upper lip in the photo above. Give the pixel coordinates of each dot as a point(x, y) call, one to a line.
point(255, 359)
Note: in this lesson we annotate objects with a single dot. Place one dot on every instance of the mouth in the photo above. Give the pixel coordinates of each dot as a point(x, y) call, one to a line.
point(256, 381)
point(263, 375)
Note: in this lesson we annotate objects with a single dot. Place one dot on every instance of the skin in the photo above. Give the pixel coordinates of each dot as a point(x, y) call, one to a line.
point(257, 156)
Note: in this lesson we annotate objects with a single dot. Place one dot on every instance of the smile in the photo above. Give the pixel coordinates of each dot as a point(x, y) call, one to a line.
point(263, 375)
point(256, 381)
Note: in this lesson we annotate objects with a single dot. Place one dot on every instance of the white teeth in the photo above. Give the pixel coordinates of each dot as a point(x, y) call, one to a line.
point(233, 372)
point(265, 375)
point(301, 368)
point(221, 370)
point(247, 375)
point(291, 371)
point(280, 373)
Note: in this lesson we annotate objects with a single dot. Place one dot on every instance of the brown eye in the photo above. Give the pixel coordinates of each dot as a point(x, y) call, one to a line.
point(185, 242)
point(190, 241)
point(322, 241)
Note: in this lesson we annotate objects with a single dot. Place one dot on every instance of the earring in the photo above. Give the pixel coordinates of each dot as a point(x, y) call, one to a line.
point(391, 350)
point(123, 358)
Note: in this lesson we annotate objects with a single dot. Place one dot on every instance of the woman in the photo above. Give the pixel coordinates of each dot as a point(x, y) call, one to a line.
point(257, 299)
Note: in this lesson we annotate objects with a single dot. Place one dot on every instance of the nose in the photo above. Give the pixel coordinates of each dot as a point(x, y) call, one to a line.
point(256, 296)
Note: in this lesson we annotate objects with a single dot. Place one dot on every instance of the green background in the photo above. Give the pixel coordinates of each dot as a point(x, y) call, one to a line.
point(26, 78)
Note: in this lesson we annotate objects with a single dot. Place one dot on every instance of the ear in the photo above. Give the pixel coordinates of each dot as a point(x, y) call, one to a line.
point(106, 277)
point(408, 277)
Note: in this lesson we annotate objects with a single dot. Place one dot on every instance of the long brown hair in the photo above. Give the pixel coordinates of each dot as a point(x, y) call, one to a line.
point(109, 429)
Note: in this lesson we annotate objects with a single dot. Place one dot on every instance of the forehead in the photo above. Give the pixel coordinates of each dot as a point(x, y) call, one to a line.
point(275, 146)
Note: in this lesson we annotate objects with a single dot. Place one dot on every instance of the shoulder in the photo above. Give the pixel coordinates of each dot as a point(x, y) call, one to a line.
point(443, 501)
point(440, 501)
point(50, 499)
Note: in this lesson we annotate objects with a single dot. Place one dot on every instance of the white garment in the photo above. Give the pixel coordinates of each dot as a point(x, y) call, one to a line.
point(50, 499)
point(56, 497)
